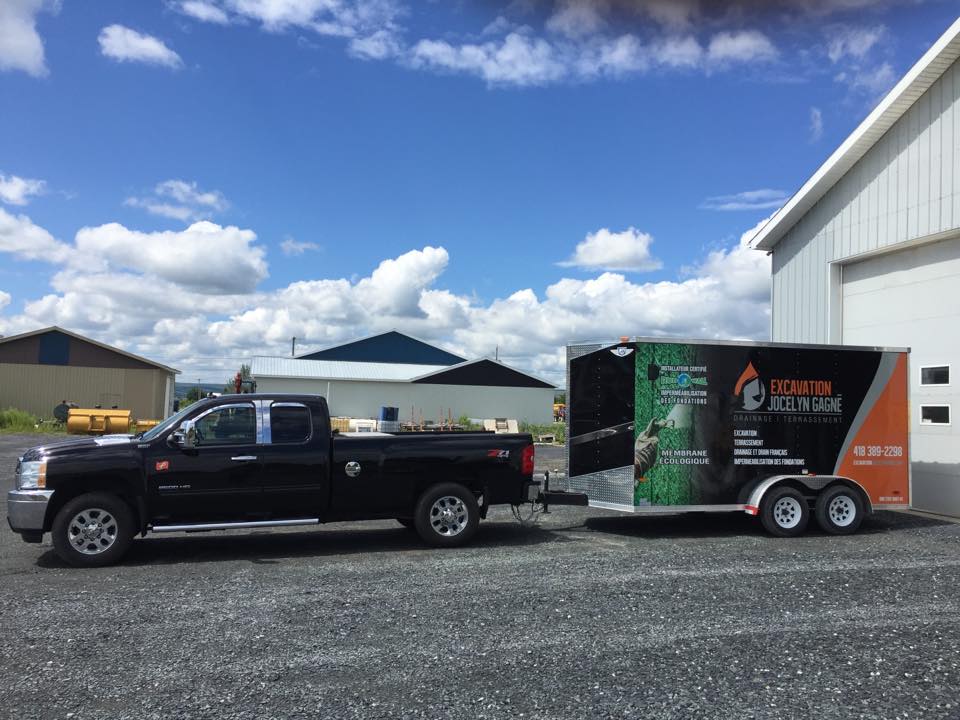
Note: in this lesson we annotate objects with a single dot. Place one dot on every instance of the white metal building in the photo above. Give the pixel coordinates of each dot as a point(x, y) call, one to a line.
point(433, 390)
point(868, 253)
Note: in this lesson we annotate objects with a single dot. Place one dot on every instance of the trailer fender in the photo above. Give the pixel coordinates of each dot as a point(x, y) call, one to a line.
point(814, 483)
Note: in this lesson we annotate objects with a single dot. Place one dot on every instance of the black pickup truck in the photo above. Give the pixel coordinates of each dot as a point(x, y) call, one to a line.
point(250, 461)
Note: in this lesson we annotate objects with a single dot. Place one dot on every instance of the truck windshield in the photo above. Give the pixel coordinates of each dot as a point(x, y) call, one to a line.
point(170, 422)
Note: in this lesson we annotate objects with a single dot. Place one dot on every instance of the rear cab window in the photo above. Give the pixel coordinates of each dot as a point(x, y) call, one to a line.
point(290, 423)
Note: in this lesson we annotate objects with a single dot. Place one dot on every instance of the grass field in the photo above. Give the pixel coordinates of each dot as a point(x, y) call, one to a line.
point(18, 421)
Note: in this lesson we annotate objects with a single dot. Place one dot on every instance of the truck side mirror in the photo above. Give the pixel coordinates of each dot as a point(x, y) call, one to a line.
point(185, 436)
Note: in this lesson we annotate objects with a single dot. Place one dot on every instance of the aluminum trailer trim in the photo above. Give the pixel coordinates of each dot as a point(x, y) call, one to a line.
point(666, 509)
point(735, 343)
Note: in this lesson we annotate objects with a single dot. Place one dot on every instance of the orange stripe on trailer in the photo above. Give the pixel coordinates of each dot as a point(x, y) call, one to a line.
point(878, 456)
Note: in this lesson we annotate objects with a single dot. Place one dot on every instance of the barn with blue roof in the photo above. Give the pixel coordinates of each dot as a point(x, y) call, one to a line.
point(422, 380)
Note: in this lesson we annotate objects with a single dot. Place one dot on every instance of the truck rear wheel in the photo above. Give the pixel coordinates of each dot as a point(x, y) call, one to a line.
point(447, 515)
point(839, 510)
point(93, 530)
point(784, 512)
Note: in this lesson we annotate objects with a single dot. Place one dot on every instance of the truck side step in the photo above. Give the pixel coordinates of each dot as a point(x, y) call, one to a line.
point(197, 527)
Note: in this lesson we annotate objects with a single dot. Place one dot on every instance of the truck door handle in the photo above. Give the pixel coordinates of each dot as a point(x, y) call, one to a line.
point(243, 458)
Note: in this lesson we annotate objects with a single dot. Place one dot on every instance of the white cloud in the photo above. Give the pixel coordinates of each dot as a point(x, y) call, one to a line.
point(126, 45)
point(4, 299)
point(628, 250)
point(816, 124)
point(21, 47)
point(204, 11)
point(380, 45)
point(873, 81)
point(339, 18)
point(26, 241)
point(853, 42)
point(742, 46)
point(516, 60)
point(205, 257)
point(576, 18)
point(762, 199)
point(189, 202)
point(522, 58)
point(293, 248)
point(16, 190)
point(191, 299)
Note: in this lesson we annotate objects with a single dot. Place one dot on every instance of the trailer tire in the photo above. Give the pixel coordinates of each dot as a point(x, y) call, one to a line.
point(93, 530)
point(784, 512)
point(447, 515)
point(840, 510)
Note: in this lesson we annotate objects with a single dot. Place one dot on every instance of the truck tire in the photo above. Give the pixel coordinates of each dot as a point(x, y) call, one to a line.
point(93, 530)
point(839, 510)
point(784, 512)
point(447, 515)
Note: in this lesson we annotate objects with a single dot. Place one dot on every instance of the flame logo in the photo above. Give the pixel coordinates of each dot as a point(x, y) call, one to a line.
point(751, 387)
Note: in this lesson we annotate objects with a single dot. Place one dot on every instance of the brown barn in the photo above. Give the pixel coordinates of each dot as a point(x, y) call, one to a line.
point(41, 368)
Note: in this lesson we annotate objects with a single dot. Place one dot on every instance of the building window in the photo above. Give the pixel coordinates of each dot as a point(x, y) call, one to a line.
point(934, 414)
point(935, 375)
point(54, 349)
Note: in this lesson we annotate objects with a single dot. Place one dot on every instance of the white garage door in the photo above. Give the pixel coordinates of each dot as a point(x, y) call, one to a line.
point(912, 298)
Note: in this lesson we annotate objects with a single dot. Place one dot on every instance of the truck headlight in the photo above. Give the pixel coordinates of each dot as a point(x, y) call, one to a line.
point(32, 475)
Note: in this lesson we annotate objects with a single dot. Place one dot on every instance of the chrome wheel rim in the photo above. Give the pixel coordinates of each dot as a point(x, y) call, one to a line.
point(448, 516)
point(92, 531)
point(842, 510)
point(787, 512)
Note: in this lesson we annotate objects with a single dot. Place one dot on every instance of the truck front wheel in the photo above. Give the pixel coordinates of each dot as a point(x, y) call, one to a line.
point(784, 512)
point(839, 510)
point(447, 515)
point(93, 530)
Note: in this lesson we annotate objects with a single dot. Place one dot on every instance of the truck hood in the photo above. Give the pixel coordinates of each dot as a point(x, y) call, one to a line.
point(78, 446)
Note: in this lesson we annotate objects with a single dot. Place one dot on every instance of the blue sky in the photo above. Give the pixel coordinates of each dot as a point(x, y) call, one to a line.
point(478, 174)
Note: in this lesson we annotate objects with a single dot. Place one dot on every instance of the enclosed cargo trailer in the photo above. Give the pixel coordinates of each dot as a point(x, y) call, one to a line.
point(786, 432)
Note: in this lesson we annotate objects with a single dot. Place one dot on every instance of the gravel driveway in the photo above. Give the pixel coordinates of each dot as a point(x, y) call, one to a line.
point(586, 614)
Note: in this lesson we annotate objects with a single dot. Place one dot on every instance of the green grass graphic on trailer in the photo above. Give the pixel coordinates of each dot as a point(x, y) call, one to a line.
point(660, 371)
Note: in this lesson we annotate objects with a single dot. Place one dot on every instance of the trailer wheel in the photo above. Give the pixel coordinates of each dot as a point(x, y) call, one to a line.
point(784, 512)
point(93, 530)
point(839, 510)
point(447, 515)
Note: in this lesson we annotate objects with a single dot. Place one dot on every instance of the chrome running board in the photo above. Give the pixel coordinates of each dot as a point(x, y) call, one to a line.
point(233, 525)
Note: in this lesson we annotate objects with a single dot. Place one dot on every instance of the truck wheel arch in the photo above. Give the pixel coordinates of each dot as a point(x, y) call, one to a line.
point(807, 484)
point(114, 486)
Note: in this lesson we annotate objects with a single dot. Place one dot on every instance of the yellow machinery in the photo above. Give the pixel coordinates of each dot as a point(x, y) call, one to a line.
point(83, 421)
point(144, 425)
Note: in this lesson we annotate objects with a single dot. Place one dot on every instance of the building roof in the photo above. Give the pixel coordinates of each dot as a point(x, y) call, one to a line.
point(482, 372)
point(118, 351)
point(284, 367)
point(391, 346)
point(890, 109)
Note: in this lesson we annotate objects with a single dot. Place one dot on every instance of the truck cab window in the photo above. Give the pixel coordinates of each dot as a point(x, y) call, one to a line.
point(289, 423)
point(232, 425)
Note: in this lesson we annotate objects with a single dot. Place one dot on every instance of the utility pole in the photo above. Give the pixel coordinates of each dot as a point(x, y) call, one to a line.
point(293, 347)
